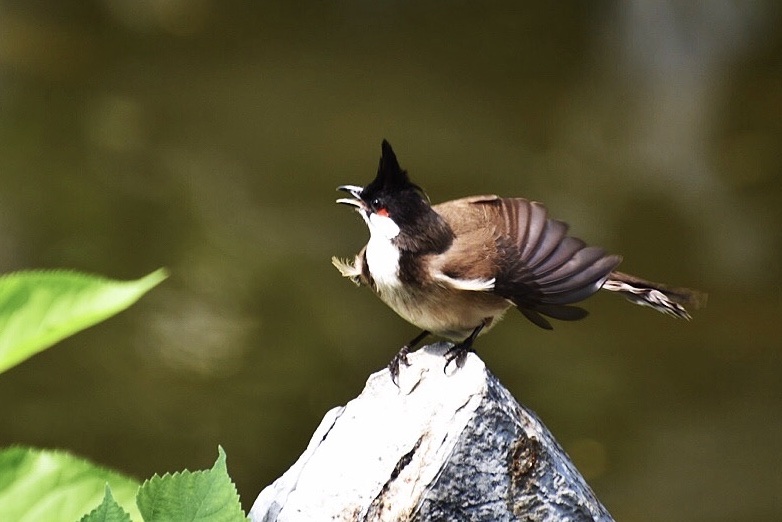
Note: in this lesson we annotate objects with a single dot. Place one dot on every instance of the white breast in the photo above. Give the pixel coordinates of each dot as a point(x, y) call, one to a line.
point(382, 255)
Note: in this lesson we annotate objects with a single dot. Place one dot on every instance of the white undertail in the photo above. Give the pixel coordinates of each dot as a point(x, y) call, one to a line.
point(663, 298)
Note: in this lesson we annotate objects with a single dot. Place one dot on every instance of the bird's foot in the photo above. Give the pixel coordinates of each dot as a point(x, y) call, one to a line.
point(457, 354)
point(399, 358)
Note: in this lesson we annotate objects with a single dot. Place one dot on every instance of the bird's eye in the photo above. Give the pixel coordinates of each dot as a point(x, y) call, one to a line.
point(379, 207)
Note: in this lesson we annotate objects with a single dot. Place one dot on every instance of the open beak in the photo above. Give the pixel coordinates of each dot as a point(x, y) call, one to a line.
point(354, 191)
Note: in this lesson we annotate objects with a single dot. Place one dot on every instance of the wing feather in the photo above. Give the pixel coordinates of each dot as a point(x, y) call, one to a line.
point(536, 223)
point(553, 233)
point(556, 266)
point(536, 264)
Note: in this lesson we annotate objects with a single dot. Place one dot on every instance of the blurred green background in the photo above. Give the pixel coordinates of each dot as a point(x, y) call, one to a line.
point(209, 137)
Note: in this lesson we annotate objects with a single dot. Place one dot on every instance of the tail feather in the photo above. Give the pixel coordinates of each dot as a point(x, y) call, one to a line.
point(663, 298)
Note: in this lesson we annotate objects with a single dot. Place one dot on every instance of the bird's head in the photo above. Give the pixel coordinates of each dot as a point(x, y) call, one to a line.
point(391, 204)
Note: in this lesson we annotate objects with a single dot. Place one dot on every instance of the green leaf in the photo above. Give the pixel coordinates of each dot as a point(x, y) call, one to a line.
point(191, 495)
point(108, 511)
point(40, 308)
point(52, 485)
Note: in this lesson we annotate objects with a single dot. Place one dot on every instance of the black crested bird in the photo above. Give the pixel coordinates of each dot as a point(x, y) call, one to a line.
point(454, 269)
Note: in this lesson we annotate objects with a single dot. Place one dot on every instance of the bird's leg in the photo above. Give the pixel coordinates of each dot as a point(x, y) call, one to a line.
point(401, 357)
point(459, 352)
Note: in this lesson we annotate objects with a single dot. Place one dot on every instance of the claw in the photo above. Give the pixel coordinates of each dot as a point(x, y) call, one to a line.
point(458, 354)
point(459, 351)
point(401, 357)
point(393, 366)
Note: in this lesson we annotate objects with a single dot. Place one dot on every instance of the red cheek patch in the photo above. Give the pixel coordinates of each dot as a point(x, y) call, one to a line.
point(382, 212)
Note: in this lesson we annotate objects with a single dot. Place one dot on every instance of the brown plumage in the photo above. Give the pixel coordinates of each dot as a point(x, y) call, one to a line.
point(536, 265)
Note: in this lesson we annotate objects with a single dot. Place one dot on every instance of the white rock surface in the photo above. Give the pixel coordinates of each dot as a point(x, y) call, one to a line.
point(449, 445)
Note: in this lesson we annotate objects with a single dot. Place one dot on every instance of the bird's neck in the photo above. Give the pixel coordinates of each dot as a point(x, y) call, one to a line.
point(402, 259)
point(427, 234)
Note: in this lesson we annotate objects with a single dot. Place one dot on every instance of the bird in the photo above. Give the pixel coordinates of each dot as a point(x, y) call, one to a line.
point(454, 269)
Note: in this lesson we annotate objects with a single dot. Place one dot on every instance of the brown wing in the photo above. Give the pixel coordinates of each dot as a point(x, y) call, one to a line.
point(474, 250)
point(536, 265)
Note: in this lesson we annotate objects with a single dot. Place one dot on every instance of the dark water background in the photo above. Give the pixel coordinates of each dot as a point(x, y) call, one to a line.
point(209, 137)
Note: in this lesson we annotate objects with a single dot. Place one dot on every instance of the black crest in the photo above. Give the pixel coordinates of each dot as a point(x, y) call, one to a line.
point(423, 230)
point(390, 176)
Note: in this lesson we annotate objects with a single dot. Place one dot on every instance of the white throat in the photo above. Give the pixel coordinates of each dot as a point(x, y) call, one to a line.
point(382, 254)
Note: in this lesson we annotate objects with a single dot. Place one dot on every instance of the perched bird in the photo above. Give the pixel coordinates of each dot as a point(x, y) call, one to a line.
point(455, 268)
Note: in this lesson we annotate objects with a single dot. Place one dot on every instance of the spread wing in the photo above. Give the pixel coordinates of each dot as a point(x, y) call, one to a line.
point(536, 265)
